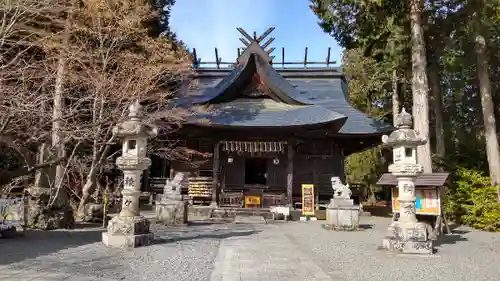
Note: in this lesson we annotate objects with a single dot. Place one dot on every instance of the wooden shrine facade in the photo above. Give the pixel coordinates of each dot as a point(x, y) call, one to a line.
point(271, 170)
point(269, 131)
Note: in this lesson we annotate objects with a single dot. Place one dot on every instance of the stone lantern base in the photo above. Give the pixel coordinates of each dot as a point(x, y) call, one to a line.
point(408, 238)
point(128, 232)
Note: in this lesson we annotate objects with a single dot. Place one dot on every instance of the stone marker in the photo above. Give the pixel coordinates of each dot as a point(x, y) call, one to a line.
point(129, 228)
point(406, 235)
point(341, 213)
point(171, 209)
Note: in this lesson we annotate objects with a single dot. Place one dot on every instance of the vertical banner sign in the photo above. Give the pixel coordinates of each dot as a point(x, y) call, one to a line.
point(308, 200)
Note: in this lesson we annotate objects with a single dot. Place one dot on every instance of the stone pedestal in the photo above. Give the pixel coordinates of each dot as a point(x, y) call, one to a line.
point(408, 238)
point(339, 202)
point(128, 232)
point(342, 214)
point(343, 217)
point(172, 212)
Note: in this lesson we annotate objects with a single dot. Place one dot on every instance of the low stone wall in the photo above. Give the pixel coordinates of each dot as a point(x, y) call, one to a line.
point(199, 213)
point(11, 216)
point(210, 213)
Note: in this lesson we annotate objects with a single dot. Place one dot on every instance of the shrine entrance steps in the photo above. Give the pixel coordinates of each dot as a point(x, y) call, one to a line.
point(226, 213)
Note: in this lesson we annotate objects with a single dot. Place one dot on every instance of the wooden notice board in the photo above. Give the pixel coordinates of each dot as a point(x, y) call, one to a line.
point(308, 200)
point(428, 201)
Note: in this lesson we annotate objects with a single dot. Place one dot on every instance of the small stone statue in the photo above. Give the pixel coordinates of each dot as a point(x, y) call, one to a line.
point(172, 209)
point(339, 189)
point(341, 213)
point(172, 189)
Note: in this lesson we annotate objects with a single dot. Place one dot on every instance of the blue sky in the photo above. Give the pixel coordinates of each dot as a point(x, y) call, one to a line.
point(206, 24)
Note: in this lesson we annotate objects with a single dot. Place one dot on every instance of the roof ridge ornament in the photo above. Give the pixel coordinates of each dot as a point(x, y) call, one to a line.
point(253, 45)
point(135, 110)
point(403, 120)
point(405, 135)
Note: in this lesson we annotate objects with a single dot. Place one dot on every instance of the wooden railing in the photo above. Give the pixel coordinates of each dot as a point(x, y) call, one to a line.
point(231, 199)
point(269, 200)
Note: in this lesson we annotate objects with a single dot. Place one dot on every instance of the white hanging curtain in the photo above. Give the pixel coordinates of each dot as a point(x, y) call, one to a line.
point(254, 146)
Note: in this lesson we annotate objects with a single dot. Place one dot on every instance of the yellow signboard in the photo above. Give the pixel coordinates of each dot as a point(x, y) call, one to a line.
point(428, 201)
point(252, 201)
point(308, 200)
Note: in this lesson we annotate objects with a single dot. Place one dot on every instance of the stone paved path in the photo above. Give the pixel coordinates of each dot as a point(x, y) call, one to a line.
point(7, 274)
point(269, 255)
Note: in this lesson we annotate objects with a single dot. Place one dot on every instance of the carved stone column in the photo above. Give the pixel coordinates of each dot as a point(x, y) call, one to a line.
point(129, 228)
point(407, 234)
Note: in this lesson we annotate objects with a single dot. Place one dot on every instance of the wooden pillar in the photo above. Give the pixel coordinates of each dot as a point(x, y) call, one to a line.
point(215, 172)
point(342, 165)
point(315, 177)
point(289, 177)
point(316, 182)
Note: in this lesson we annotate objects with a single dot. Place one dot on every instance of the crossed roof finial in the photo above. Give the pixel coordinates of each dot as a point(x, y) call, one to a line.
point(247, 39)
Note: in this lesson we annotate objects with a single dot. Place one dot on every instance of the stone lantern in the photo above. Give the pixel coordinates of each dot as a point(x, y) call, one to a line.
point(129, 228)
point(406, 234)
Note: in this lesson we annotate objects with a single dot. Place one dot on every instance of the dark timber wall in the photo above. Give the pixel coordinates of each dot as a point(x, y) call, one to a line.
point(315, 162)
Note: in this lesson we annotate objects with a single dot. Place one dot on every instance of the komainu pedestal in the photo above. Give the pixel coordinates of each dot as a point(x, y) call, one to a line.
point(171, 209)
point(341, 213)
point(172, 212)
point(128, 232)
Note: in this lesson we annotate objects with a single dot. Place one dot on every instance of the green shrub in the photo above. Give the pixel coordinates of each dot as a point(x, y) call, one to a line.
point(473, 201)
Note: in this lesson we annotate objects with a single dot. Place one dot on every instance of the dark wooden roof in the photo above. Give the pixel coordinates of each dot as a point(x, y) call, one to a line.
point(326, 88)
point(229, 88)
point(434, 179)
point(253, 113)
point(299, 97)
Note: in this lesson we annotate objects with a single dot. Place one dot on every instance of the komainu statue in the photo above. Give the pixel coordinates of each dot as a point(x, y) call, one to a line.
point(340, 190)
point(172, 189)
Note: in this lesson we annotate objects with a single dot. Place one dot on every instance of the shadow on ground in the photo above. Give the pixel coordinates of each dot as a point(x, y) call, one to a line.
point(222, 235)
point(456, 235)
point(365, 226)
point(37, 243)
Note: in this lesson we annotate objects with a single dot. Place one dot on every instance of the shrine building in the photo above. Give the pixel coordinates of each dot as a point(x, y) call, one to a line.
point(269, 128)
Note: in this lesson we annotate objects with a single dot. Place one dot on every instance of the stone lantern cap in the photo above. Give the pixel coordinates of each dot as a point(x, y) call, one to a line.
point(404, 135)
point(135, 125)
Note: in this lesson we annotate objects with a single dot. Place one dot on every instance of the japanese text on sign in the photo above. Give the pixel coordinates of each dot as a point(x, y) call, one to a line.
point(307, 200)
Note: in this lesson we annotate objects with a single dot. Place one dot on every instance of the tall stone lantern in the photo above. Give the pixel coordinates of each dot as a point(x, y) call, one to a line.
point(129, 228)
point(406, 234)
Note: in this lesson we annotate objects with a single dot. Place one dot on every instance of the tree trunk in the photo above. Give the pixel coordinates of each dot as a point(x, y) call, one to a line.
point(99, 153)
point(59, 193)
point(488, 110)
point(395, 96)
point(98, 158)
point(436, 99)
point(87, 189)
point(40, 214)
point(419, 84)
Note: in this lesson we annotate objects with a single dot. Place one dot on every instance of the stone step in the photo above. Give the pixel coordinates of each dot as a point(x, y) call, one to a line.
point(233, 212)
point(249, 219)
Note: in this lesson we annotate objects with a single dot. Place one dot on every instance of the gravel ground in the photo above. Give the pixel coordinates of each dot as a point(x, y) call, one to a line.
point(183, 253)
point(198, 252)
point(465, 255)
